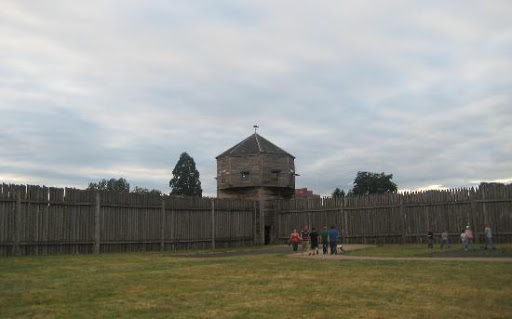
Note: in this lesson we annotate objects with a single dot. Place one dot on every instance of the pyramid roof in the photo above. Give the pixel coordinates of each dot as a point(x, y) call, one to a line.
point(254, 144)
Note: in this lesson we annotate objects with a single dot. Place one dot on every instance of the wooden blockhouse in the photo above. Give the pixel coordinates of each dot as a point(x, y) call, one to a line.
point(257, 169)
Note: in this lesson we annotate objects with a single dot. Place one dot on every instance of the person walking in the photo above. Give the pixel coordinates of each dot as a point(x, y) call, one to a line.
point(305, 236)
point(469, 238)
point(294, 240)
point(463, 238)
point(430, 239)
point(340, 239)
point(488, 237)
point(314, 241)
point(325, 239)
point(333, 240)
point(444, 239)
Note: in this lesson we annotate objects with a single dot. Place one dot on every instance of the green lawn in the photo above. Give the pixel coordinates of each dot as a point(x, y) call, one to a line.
point(262, 286)
point(418, 250)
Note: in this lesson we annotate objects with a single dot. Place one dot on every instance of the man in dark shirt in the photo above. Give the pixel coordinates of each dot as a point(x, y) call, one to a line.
point(304, 236)
point(430, 239)
point(314, 241)
point(325, 239)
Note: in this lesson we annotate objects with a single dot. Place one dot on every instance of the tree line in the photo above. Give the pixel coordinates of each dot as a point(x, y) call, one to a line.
point(185, 181)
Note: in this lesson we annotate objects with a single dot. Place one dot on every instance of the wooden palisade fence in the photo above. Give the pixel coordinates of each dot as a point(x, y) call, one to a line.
point(401, 218)
point(39, 220)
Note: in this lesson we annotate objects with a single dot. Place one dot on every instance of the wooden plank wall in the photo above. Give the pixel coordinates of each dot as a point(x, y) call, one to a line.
point(38, 220)
point(399, 218)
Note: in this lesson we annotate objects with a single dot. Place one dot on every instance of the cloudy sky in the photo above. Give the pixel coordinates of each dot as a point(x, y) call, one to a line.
point(102, 89)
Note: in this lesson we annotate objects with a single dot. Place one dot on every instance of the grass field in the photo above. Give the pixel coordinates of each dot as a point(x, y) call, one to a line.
point(260, 286)
point(418, 250)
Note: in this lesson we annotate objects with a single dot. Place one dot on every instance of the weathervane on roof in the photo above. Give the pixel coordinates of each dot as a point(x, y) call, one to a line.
point(255, 128)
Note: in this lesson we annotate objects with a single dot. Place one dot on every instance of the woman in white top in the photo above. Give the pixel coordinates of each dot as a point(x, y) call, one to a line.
point(463, 238)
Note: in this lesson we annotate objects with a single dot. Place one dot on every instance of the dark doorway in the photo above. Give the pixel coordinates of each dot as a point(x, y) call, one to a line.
point(267, 235)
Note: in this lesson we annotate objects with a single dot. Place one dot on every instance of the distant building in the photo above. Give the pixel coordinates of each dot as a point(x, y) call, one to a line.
point(305, 193)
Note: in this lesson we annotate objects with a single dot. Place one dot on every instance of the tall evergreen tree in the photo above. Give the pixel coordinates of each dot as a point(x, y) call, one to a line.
point(185, 180)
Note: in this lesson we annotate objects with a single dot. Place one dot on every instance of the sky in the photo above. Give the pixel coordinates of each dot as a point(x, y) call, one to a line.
point(107, 89)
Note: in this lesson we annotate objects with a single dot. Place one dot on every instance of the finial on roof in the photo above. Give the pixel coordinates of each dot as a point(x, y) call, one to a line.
point(255, 128)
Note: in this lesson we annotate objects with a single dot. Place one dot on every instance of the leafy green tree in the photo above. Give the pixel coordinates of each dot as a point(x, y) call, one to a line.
point(338, 193)
point(143, 190)
point(113, 185)
point(185, 181)
point(373, 183)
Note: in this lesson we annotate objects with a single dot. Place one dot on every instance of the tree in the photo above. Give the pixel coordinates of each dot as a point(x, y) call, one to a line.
point(143, 190)
point(338, 193)
point(185, 181)
point(113, 185)
point(373, 183)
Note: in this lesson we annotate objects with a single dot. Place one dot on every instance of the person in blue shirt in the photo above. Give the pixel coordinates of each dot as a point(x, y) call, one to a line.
point(333, 239)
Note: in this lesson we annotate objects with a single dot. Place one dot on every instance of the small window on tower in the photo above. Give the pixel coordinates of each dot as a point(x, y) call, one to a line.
point(245, 174)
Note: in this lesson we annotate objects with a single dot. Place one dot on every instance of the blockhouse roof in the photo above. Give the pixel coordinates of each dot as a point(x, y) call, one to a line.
point(254, 144)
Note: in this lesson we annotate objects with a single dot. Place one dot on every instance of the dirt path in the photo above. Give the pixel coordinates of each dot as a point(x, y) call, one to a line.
point(283, 249)
point(370, 258)
point(373, 258)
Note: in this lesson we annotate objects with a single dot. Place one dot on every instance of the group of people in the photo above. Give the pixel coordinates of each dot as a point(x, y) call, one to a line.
point(467, 239)
point(309, 239)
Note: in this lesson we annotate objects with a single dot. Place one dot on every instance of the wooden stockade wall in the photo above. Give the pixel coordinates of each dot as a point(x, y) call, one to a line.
point(39, 220)
point(403, 218)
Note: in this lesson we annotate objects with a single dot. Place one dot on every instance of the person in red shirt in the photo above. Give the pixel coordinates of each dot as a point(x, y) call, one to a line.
point(294, 240)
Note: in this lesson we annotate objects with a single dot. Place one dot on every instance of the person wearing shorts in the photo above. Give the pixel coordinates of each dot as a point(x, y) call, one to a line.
point(305, 236)
point(294, 240)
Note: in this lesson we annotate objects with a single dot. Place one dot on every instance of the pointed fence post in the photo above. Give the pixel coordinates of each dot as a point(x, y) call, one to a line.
point(345, 219)
point(213, 223)
point(254, 224)
point(162, 227)
point(262, 222)
point(97, 225)
point(17, 224)
point(404, 217)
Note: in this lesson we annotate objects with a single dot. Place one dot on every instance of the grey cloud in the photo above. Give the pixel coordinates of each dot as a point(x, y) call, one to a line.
point(120, 88)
